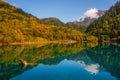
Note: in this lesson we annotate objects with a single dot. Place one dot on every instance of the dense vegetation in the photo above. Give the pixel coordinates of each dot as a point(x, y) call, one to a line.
point(19, 26)
point(107, 27)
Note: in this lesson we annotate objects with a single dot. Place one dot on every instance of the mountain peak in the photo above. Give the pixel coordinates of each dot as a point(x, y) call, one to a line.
point(90, 15)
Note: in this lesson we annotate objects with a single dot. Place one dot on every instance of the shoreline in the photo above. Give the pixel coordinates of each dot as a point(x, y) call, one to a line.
point(41, 42)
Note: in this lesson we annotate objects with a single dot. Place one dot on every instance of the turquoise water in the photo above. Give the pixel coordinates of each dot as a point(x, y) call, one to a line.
point(66, 70)
point(61, 62)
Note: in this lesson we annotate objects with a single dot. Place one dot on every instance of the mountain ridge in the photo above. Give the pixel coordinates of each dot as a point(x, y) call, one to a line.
point(88, 17)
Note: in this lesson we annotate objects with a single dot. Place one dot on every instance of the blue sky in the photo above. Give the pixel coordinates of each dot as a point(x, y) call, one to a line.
point(65, 10)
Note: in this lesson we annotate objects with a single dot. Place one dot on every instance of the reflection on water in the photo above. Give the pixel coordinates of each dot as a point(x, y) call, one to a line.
point(60, 62)
point(108, 56)
point(92, 68)
point(65, 70)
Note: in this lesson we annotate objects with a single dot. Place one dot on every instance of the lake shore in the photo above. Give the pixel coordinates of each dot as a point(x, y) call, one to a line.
point(41, 42)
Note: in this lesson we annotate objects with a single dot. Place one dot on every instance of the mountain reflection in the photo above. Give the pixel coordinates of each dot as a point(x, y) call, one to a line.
point(108, 56)
point(92, 57)
point(52, 54)
point(92, 68)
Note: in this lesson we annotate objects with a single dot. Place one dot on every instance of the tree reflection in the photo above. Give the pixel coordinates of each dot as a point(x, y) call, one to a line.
point(52, 54)
point(107, 56)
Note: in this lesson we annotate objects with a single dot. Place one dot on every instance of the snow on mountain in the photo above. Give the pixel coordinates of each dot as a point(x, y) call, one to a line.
point(90, 15)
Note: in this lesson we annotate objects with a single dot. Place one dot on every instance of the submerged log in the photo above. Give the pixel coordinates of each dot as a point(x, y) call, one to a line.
point(25, 63)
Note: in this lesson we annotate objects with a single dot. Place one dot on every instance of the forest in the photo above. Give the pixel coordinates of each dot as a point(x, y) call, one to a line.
point(19, 26)
point(107, 27)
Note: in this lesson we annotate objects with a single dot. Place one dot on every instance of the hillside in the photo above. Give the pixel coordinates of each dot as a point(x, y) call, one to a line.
point(107, 27)
point(19, 26)
point(77, 26)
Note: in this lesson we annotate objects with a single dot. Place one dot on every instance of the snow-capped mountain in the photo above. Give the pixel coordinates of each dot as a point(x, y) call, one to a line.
point(90, 15)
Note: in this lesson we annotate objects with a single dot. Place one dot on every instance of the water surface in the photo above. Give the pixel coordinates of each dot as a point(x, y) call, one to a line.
point(61, 62)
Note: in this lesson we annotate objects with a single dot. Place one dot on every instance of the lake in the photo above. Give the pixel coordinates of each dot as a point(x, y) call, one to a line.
point(60, 62)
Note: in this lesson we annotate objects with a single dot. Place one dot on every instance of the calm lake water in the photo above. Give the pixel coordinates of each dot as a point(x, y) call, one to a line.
point(60, 62)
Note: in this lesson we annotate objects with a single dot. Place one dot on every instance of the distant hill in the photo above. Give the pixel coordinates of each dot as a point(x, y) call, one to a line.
point(56, 22)
point(107, 27)
point(52, 21)
point(19, 26)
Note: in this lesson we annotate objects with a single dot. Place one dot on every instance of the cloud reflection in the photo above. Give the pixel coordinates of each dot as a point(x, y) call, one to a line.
point(92, 68)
